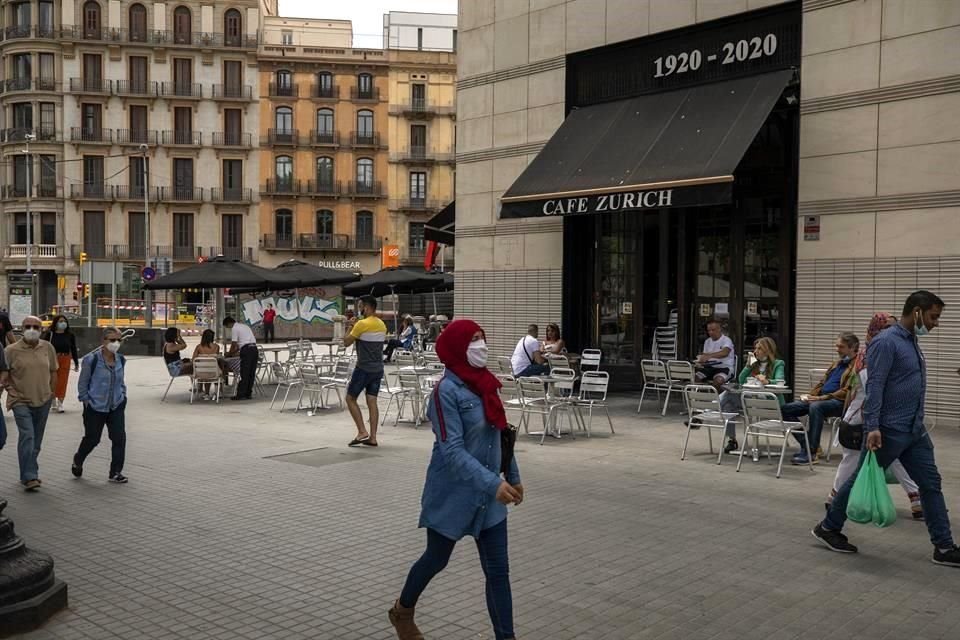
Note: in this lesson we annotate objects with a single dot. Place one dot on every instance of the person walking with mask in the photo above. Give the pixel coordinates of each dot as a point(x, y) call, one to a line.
point(65, 344)
point(893, 426)
point(103, 392)
point(31, 382)
point(469, 482)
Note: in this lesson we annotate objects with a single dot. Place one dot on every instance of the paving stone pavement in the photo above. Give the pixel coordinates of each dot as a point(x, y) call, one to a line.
point(216, 538)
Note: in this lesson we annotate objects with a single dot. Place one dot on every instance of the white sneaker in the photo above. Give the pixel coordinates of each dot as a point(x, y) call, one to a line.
point(59, 406)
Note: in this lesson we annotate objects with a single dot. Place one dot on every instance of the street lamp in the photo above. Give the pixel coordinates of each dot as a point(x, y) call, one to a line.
point(28, 138)
point(147, 295)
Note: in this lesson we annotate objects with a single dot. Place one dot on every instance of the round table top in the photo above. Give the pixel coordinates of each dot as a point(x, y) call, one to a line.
point(769, 388)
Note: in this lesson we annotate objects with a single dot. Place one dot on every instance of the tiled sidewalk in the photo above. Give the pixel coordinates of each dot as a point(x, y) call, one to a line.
point(214, 538)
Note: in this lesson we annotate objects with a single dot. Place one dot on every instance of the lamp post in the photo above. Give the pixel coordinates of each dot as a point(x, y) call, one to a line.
point(147, 295)
point(28, 138)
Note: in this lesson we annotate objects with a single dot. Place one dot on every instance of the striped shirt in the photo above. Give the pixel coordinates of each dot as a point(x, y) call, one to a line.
point(897, 382)
point(370, 333)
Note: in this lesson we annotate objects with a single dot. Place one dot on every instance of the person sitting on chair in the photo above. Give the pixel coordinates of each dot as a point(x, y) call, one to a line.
point(527, 357)
point(768, 369)
point(408, 333)
point(173, 344)
point(715, 365)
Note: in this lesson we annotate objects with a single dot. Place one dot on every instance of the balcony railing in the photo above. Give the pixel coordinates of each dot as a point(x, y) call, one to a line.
point(273, 241)
point(284, 90)
point(364, 243)
point(231, 194)
point(283, 136)
point(91, 191)
point(16, 31)
point(325, 93)
point(365, 189)
point(182, 138)
point(137, 88)
point(415, 204)
point(282, 186)
point(43, 134)
point(181, 90)
point(136, 136)
point(181, 194)
point(182, 253)
point(17, 84)
point(232, 253)
point(232, 92)
point(325, 138)
point(327, 188)
point(37, 251)
point(134, 192)
point(91, 85)
point(11, 191)
point(232, 139)
point(420, 154)
point(322, 241)
point(96, 136)
point(362, 95)
point(154, 36)
point(421, 108)
point(364, 139)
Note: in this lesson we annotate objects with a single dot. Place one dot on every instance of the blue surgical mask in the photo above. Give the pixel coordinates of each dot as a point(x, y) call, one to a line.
point(919, 328)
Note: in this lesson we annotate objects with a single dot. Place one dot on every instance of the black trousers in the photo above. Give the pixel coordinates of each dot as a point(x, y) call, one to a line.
point(248, 370)
point(268, 334)
point(93, 423)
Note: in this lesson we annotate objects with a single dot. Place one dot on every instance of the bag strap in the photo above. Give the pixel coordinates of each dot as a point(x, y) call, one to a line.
point(441, 423)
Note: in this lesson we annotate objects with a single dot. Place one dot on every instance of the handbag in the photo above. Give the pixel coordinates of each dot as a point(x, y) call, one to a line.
point(508, 440)
point(850, 435)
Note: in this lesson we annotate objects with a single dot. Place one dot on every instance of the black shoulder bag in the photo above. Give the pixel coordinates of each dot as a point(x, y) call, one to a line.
point(508, 439)
point(850, 435)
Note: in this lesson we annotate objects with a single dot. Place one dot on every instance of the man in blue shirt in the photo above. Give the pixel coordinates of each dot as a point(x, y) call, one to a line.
point(826, 399)
point(893, 424)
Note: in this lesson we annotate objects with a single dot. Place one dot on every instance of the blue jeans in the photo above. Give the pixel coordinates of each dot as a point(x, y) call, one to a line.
point(915, 452)
point(492, 545)
point(534, 370)
point(818, 411)
point(31, 422)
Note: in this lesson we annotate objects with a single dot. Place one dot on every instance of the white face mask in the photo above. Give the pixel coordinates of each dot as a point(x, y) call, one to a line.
point(113, 346)
point(477, 354)
point(31, 335)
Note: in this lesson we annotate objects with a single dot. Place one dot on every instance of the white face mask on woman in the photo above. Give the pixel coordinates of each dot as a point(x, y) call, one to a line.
point(113, 347)
point(477, 354)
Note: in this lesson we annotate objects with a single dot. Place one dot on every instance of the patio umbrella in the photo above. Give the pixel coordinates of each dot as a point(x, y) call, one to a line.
point(446, 285)
point(220, 273)
point(391, 281)
point(304, 274)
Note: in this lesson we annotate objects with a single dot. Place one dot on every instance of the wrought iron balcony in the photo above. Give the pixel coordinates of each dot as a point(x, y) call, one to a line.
point(365, 189)
point(177, 138)
point(232, 92)
point(137, 136)
point(233, 253)
point(365, 95)
point(421, 109)
point(138, 88)
point(420, 154)
point(17, 84)
point(324, 188)
point(134, 193)
point(415, 204)
point(322, 241)
point(283, 186)
point(284, 90)
point(181, 194)
point(91, 86)
point(325, 93)
point(364, 139)
point(364, 243)
point(286, 137)
point(193, 90)
point(42, 134)
point(325, 138)
point(91, 136)
point(92, 191)
point(232, 139)
point(274, 241)
point(231, 194)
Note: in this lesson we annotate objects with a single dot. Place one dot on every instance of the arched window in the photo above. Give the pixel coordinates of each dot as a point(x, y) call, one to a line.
point(325, 174)
point(365, 86)
point(92, 21)
point(365, 133)
point(325, 126)
point(182, 25)
point(283, 83)
point(283, 227)
point(364, 175)
point(232, 28)
point(283, 121)
point(325, 85)
point(137, 19)
point(364, 230)
point(325, 226)
point(284, 170)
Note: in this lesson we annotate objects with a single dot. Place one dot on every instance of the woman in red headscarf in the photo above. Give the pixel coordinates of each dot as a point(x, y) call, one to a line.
point(465, 493)
point(853, 414)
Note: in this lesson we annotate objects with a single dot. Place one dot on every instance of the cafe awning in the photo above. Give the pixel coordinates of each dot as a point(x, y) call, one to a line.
point(672, 149)
point(441, 227)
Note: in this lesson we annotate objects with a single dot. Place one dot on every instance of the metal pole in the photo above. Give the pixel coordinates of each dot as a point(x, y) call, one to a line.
point(296, 292)
point(113, 295)
point(148, 295)
point(90, 300)
point(33, 295)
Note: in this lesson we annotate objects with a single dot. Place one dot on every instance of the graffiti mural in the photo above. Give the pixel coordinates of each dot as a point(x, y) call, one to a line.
point(315, 308)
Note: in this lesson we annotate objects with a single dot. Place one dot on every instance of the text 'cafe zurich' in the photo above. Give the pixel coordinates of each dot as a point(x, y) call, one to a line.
point(675, 172)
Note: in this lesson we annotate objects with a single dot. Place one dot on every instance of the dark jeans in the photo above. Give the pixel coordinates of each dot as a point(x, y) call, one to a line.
point(818, 412)
point(31, 423)
point(492, 545)
point(392, 346)
point(248, 370)
point(268, 334)
point(915, 451)
point(93, 423)
point(535, 370)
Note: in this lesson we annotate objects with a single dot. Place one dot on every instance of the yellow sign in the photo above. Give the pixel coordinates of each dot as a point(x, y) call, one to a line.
point(391, 256)
point(61, 283)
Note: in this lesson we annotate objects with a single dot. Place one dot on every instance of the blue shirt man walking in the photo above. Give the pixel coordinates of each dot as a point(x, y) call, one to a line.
point(893, 424)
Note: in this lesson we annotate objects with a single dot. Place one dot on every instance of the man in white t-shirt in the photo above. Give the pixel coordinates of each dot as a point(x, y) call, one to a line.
point(243, 344)
point(527, 360)
point(715, 364)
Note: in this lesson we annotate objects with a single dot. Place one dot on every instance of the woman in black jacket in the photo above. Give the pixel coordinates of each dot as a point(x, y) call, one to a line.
point(65, 344)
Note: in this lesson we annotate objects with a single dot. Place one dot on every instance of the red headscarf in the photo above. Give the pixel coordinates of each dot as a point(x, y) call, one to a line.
point(452, 350)
point(878, 323)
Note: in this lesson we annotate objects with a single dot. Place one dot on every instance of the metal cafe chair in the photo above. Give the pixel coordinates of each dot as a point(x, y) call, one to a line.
point(655, 378)
point(206, 371)
point(286, 378)
point(703, 410)
point(590, 358)
point(680, 373)
point(593, 394)
point(761, 411)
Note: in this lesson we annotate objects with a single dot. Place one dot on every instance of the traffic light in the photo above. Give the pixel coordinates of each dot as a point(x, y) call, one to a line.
point(86, 291)
point(83, 257)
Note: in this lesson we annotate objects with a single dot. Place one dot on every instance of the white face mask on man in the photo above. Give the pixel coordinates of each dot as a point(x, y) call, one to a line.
point(31, 335)
point(477, 354)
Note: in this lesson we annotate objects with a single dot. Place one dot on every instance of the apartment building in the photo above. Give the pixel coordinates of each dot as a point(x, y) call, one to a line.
point(422, 125)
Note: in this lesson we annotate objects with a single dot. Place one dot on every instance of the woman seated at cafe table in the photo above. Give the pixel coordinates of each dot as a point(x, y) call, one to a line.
point(553, 344)
point(767, 369)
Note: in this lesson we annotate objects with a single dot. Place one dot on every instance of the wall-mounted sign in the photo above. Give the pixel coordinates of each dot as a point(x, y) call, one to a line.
point(811, 227)
point(350, 265)
point(391, 256)
point(722, 308)
point(745, 44)
point(752, 307)
point(705, 310)
point(626, 308)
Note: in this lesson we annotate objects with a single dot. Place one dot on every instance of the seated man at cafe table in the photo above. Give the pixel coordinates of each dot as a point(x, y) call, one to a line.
point(715, 364)
point(527, 359)
point(826, 399)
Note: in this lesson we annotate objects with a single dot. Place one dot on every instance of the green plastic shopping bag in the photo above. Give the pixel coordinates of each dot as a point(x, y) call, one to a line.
point(870, 499)
point(888, 474)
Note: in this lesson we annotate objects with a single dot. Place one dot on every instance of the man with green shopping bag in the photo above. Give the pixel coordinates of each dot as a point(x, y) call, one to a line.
point(893, 424)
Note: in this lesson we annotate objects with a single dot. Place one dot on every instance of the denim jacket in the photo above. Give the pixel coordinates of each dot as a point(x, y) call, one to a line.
point(104, 389)
point(459, 497)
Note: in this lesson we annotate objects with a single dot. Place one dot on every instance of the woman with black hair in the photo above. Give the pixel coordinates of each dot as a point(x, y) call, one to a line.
point(173, 344)
point(7, 336)
point(65, 344)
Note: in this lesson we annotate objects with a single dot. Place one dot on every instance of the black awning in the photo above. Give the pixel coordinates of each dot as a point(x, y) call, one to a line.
point(441, 227)
point(673, 149)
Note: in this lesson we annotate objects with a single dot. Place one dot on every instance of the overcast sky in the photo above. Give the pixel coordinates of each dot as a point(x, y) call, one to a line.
point(367, 15)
